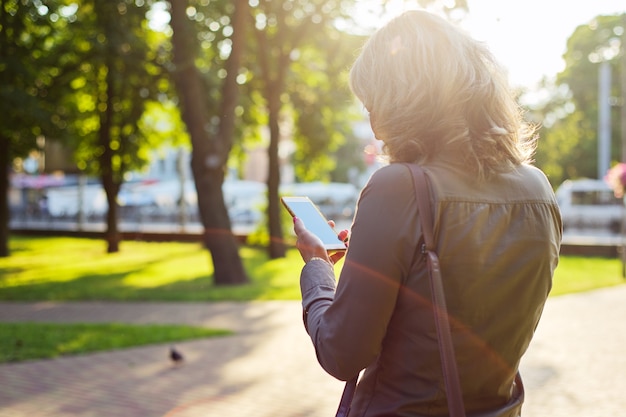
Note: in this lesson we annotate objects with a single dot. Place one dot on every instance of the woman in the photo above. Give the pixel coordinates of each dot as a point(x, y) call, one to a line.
point(438, 99)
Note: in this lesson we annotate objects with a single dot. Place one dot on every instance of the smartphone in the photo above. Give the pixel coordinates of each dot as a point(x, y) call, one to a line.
point(313, 219)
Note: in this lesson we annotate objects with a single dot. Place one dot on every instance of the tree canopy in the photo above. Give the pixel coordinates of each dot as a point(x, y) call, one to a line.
point(112, 72)
point(29, 50)
point(568, 146)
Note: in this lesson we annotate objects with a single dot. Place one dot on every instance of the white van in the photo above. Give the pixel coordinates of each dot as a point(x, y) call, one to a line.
point(590, 205)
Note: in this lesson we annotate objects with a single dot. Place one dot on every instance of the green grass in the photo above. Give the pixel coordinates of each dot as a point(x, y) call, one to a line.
point(71, 269)
point(67, 269)
point(24, 341)
point(578, 274)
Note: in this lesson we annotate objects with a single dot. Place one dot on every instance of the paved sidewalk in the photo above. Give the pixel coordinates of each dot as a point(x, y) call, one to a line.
point(574, 367)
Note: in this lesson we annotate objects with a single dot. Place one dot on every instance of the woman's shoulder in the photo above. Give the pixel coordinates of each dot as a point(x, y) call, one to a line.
point(532, 175)
point(391, 174)
point(531, 171)
point(389, 181)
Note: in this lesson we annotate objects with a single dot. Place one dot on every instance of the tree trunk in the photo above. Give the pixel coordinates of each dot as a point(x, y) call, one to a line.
point(218, 237)
point(112, 234)
point(209, 151)
point(623, 82)
point(273, 78)
point(277, 244)
point(111, 187)
point(4, 197)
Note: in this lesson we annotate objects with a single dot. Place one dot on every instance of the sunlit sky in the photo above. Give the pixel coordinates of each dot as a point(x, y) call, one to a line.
point(530, 36)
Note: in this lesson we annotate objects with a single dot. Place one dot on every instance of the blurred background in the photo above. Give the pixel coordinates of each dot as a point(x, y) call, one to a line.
point(186, 117)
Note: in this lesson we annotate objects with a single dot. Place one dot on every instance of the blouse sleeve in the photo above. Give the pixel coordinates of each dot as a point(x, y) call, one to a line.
point(347, 325)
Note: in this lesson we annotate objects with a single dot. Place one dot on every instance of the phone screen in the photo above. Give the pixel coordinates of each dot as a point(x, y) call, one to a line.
point(304, 209)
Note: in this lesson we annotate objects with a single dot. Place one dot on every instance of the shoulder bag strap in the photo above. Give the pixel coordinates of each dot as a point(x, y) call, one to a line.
point(442, 324)
point(346, 398)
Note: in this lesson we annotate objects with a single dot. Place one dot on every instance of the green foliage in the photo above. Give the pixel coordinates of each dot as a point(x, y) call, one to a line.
point(589, 45)
point(161, 123)
point(568, 149)
point(28, 32)
point(324, 109)
point(569, 138)
point(305, 58)
point(112, 72)
point(27, 341)
point(211, 23)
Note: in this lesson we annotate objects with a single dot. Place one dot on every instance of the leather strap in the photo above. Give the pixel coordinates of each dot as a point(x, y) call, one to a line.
point(454, 394)
point(346, 397)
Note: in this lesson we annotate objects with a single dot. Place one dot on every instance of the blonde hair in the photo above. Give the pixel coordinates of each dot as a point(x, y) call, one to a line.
point(431, 89)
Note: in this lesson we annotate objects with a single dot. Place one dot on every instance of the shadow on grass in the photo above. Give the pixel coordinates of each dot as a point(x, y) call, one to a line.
point(174, 276)
point(268, 281)
point(113, 287)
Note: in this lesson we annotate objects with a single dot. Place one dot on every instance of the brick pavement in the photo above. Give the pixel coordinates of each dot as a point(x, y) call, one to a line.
point(574, 367)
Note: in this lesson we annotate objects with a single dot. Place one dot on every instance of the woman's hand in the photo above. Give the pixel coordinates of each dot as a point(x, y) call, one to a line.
point(311, 246)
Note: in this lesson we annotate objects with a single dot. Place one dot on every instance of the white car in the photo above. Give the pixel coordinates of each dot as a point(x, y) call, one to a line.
point(590, 205)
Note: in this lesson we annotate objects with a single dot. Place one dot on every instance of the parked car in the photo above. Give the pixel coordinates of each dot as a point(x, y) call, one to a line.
point(68, 201)
point(590, 205)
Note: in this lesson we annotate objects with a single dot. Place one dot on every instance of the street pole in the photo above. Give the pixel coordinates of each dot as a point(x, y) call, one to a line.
point(604, 118)
point(623, 129)
point(623, 81)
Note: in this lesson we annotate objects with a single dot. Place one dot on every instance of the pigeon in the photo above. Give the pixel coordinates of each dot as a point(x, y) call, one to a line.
point(176, 356)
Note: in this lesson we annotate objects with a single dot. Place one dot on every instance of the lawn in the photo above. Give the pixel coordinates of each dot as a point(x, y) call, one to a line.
point(577, 274)
point(24, 341)
point(69, 269)
point(72, 269)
